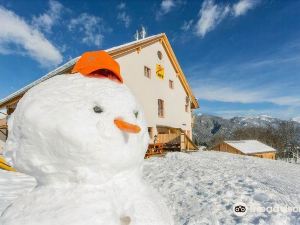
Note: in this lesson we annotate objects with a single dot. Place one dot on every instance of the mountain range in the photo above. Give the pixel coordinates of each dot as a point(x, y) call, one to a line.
point(206, 127)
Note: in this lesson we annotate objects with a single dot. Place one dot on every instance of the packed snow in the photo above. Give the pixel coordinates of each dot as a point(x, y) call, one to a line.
point(201, 188)
point(74, 135)
point(13, 185)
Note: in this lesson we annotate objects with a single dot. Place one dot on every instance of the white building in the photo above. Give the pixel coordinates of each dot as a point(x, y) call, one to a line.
point(150, 69)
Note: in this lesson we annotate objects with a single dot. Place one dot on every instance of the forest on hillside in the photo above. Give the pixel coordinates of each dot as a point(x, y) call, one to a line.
point(282, 135)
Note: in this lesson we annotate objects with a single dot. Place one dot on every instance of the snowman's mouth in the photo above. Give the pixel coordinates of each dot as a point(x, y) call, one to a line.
point(127, 127)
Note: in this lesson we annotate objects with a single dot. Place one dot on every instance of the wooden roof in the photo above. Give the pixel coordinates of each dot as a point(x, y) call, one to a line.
point(115, 52)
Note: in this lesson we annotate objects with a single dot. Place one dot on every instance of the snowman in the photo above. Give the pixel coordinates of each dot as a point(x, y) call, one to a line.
point(83, 137)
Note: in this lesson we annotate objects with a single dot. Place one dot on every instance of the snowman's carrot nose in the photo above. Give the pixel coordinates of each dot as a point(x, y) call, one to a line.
point(127, 127)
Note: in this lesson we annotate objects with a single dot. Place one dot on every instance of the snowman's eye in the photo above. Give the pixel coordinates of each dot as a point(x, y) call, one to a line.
point(98, 109)
point(136, 114)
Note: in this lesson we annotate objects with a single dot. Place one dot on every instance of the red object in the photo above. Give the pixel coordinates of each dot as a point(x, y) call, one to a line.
point(98, 64)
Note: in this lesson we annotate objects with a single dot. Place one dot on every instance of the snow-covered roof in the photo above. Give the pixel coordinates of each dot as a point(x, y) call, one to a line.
point(250, 146)
point(69, 64)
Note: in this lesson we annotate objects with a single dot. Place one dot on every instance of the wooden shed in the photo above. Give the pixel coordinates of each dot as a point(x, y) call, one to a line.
point(247, 147)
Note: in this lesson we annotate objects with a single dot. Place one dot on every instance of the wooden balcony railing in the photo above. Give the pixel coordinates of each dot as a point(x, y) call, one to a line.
point(179, 138)
point(168, 138)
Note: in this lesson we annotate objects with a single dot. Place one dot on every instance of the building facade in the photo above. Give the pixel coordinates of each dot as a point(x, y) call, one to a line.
point(150, 69)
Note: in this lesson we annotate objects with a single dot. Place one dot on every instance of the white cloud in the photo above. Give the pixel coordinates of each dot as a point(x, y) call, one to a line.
point(46, 20)
point(211, 15)
point(232, 113)
point(18, 37)
point(90, 27)
point(241, 7)
point(123, 17)
point(285, 100)
point(167, 5)
point(224, 93)
point(187, 25)
point(122, 5)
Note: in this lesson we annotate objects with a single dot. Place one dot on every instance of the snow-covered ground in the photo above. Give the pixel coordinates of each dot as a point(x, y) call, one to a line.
point(13, 185)
point(201, 188)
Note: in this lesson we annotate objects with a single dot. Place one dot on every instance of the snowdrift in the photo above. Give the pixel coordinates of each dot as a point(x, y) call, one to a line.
point(201, 188)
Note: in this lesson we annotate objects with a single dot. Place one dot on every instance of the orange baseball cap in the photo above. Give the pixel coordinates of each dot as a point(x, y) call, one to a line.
point(91, 61)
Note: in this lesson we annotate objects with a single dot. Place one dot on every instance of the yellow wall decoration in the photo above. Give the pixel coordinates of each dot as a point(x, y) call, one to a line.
point(160, 71)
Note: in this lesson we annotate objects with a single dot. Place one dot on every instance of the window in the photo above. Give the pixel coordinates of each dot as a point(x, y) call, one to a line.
point(159, 54)
point(160, 108)
point(150, 131)
point(171, 84)
point(187, 108)
point(147, 72)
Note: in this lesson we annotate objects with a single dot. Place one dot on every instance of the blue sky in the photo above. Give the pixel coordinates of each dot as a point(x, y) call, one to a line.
point(241, 57)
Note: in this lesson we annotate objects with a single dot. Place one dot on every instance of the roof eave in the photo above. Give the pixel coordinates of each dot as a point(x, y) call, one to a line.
point(254, 153)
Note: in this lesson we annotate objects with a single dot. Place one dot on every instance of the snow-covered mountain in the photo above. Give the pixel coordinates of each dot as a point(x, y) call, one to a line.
point(258, 121)
point(207, 127)
point(296, 119)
